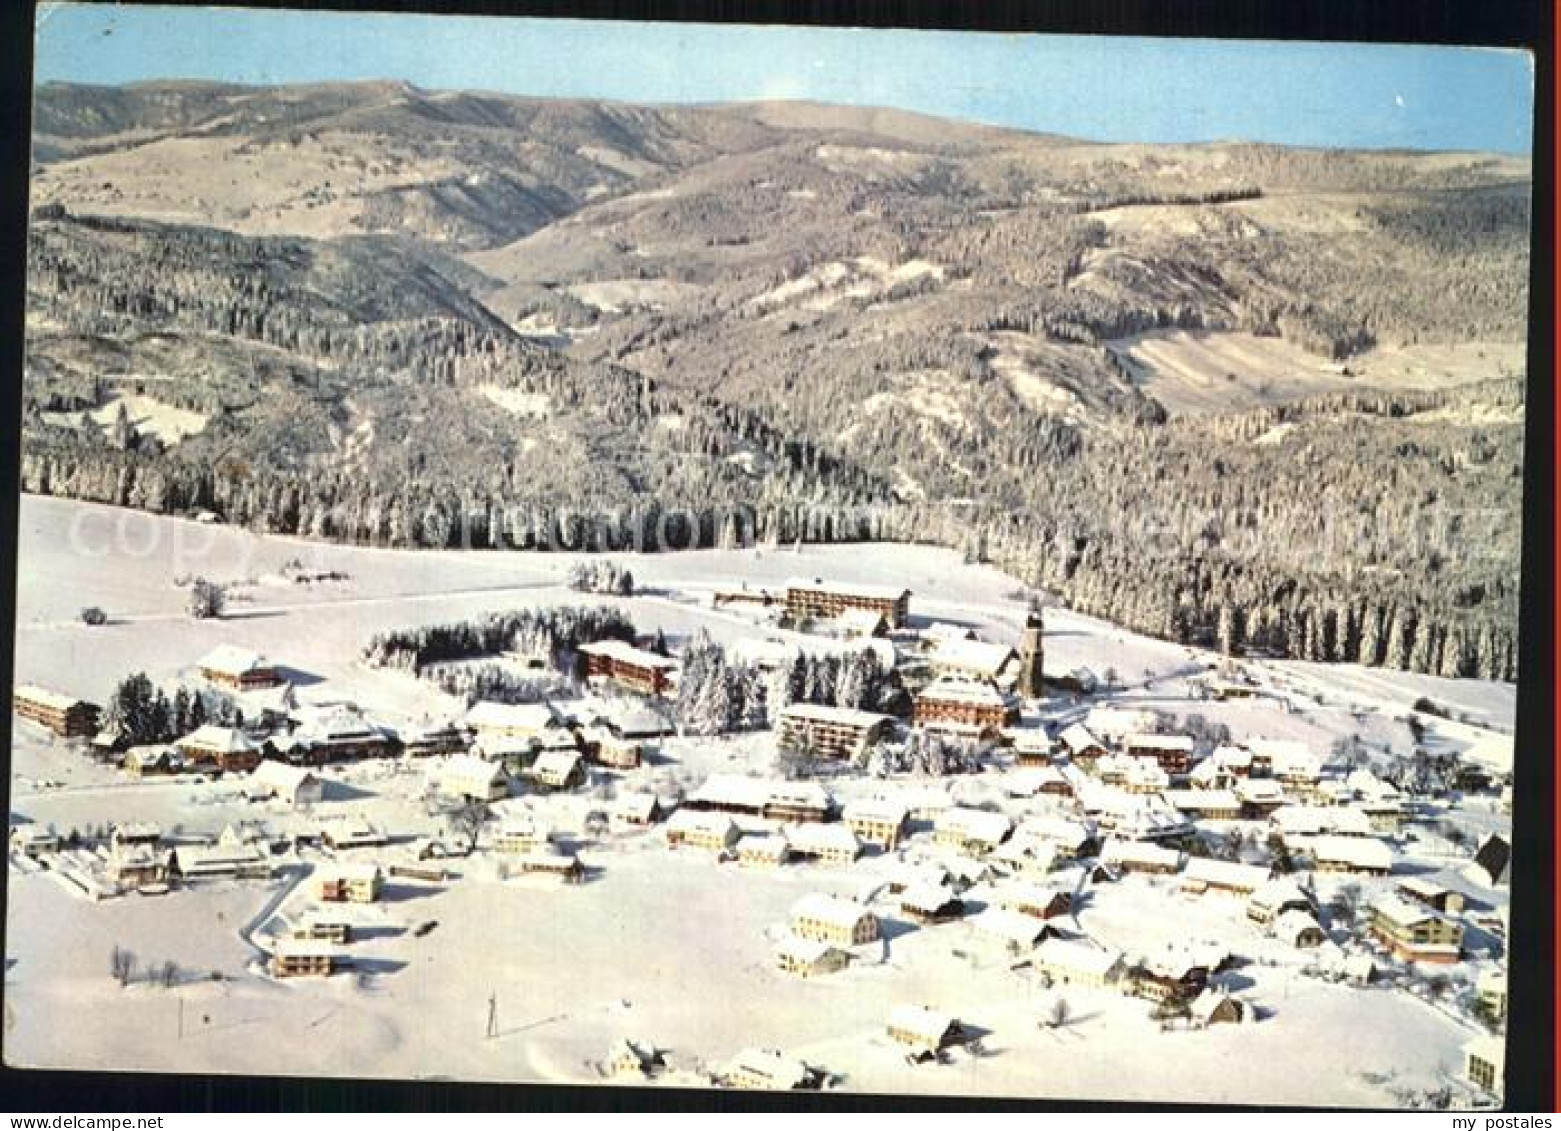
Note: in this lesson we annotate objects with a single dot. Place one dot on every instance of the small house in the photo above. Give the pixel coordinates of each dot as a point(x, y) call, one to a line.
point(1277, 897)
point(470, 778)
point(929, 904)
point(349, 883)
point(292, 785)
point(1299, 928)
point(237, 669)
point(829, 844)
point(1037, 902)
point(352, 832)
point(1077, 962)
point(768, 1070)
point(1212, 1007)
point(878, 821)
point(1010, 928)
point(637, 810)
point(692, 828)
point(831, 919)
point(763, 850)
point(975, 831)
point(1203, 874)
point(1415, 933)
point(926, 1032)
point(222, 748)
point(558, 770)
point(304, 958)
point(810, 958)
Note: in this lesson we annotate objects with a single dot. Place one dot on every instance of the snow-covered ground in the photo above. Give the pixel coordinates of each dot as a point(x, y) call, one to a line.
point(665, 947)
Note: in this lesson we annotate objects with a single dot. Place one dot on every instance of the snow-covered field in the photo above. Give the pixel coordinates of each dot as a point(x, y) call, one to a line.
point(669, 948)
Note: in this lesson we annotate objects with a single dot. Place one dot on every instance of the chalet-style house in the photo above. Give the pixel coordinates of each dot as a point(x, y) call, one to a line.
point(349, 883)
point(226, 749)
point(1037, 781)
point(1168, 978)
point(1032, 746)
point(690, 828)
point(1033, 900)
point(768, 1070)
point(488, 719)
point(965, 702)
point(292, 785)
point(1015, 931)
point(973, 831)
point(831, 919)
point(809, 958)
point(304, 958)
point(1432, 895)
point(65, 715)
point(637, 669)
point(821, 600)
point(826, 843)
point(1212, 1007)
point(346, 831)
point(1172, 752)
point(153, 760)
point(829, 732)
point(470, 778)
point(1260, 797)
point(558, 770)
point(1359, 855)
point(975, 660)
point(929, 904)
point(805, 801)
point(1140, 856)
point(429, 739)
point(635, 809)
point(605, 748)
point(1202, 874)
point(237, 669)
point(1414, 933)
point(878, 821)
point(136, 866)
point(925, 1031)
point(1206, 804)
point(1081, 744)
point(332, 732)
point(1071, 962)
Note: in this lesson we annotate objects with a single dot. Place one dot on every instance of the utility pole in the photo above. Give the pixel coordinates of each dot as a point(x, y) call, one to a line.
point(181, 1019)
point(493, 1015)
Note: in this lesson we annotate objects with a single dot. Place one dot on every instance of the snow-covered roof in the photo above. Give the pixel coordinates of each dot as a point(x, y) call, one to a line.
point(1422, 887)
point(848, 589)
point(981, 693)
point(769, 846)
point(922, 1021)
point(798, 794)
point(1015, 894)
point(1060, 830)
point(334, 722)
point(883, 809)
point(1010, 926)
point(1079, 737)
point(975, 824)
point(941, 631)
point(972, 655)
point(1204, 1005)
point(1225, 873)
point(831, 909)
point(812, 837)
point(1279, 891)
point(840, 716)
point(289, 947)
point(555, 764)
point(1077, 955)
point(1256, 791)
point(782, 1072)
point(926, 898)
point(488, 715)
point(1139, 852)
point(740, 791)
point(468, 768)
point(46, 698)
point(1030, 780)
point(638, 806)
point(355, 872)
point(626, 653)
point(1202, 800)
point(1175, 743)
point(223, 740)
point(1355, 851)
point(229, 659)
point(695, 820)
point(1304, 820)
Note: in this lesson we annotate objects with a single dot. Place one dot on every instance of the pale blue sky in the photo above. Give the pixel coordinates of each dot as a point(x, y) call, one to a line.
point(1113, 89)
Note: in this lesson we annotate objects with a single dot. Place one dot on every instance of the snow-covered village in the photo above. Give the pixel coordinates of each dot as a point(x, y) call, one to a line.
point(867, 817)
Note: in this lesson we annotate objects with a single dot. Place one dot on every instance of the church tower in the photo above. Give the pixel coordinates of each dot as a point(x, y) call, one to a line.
point(1031, 653)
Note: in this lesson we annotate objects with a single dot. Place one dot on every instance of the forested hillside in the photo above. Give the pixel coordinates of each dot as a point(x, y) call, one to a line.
point(1265, 398)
